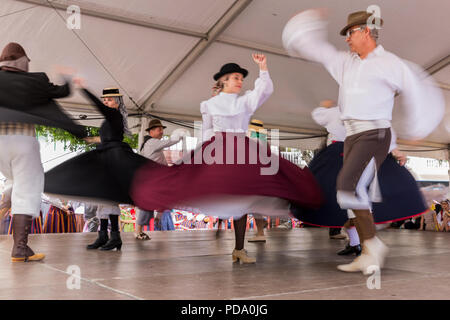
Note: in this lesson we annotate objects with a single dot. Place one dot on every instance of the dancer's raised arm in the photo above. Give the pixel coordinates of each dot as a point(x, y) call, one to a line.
point(263, 85)
point(305, 35)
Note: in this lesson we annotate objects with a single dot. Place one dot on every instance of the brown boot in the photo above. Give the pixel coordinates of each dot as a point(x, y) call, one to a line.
point(21, 252)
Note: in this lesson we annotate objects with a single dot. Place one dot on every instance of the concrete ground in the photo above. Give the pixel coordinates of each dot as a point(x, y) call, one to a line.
point(293, 264)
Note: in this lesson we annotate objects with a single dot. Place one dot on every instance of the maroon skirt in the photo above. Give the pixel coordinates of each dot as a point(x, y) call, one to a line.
point(230, 164)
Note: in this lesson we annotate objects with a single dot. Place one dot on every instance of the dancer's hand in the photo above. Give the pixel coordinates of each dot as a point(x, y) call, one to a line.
point(91, 140)
point(79, 83)
point(327, 103)
point(260, 60)
point(323, 12)
point(399, 156)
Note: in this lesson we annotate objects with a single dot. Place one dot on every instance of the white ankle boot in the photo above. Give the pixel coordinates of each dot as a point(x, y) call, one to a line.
point(373, 254)
point(377, 248)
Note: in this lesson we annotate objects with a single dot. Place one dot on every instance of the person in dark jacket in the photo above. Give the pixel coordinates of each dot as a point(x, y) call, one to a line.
point(26, 99)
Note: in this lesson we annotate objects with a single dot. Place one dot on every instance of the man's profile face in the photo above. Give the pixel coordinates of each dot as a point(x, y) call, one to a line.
point(356, 39)
point(157, 132)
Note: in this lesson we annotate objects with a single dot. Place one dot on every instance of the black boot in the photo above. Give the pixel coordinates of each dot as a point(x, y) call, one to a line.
point(100, 241)
point(114, 242)
point(350, 250)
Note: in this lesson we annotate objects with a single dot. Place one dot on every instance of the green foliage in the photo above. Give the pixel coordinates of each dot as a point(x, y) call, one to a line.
point(132, 141)
point(72, 143)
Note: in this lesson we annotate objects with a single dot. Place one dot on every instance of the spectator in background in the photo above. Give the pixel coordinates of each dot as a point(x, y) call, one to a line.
point(256, 130)
point(443, 216)
point(90, 214)
point(152, 148)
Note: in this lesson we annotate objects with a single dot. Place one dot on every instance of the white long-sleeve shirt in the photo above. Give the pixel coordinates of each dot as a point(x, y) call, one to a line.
point(231, 112)
point(153, 149)
point(367, 87)
point(330, 119)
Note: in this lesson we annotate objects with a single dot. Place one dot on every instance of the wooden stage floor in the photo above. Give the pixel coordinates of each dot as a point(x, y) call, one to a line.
point(293, 264)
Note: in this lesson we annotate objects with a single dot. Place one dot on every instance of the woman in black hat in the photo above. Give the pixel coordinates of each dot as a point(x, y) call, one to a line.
point(228, 175)
point(104, 173)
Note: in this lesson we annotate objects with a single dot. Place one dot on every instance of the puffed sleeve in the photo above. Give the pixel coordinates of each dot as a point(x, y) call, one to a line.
point(207, 124)
point(262, 91)
point(422, 106)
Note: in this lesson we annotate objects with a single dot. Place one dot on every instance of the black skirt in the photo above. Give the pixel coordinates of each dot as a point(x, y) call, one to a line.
point(105, 173)
point(402, 198)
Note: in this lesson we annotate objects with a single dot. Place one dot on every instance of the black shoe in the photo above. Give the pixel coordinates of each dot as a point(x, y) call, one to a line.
point(100, 241)
point(351, 250)
point(114, 242)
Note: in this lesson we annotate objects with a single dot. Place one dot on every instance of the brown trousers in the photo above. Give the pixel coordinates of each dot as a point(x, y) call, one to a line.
point(364, 224)
point(359, 149)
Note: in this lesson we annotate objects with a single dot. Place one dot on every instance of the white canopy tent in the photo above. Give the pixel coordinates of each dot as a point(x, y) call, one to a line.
point(163, 53)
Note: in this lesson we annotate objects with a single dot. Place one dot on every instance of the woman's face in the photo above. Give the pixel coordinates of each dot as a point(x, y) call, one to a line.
point(444, 205)
point(110, 102)
point(234, 82)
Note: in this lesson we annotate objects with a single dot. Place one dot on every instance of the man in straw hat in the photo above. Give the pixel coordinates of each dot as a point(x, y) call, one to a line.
point(256, 130)
point(152, 148)
point(369, 78)
point(26, 99)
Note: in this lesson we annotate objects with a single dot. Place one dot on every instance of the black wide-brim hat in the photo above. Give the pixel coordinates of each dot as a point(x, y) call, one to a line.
point(230, 68)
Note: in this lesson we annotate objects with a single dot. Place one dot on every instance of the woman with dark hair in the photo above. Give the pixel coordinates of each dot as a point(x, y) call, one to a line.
point(230, 175)
point(104, 173)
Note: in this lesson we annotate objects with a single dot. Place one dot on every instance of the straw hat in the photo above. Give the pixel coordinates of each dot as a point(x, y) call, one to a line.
point(111, 92)
point(257, 125)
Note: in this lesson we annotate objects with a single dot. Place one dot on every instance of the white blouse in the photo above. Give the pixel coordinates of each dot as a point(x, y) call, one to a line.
point(228, 112)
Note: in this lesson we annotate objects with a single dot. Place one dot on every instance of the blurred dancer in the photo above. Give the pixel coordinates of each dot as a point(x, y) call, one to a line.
point(104, 173)
point(369, 78)
point(230, 174)
point(26, 99)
